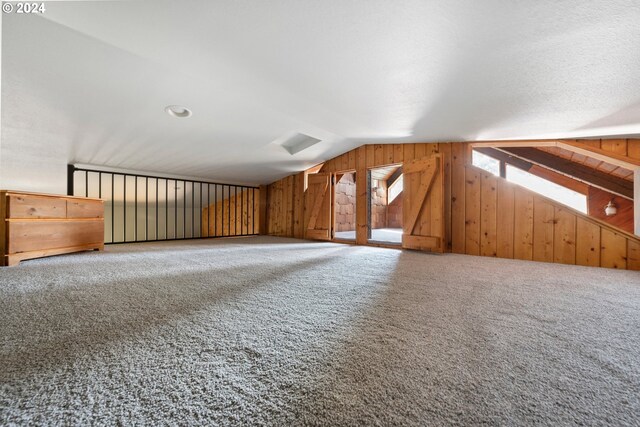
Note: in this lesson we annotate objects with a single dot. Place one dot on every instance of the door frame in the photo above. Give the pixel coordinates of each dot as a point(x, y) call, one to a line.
point(334, 184)
point(376, 242)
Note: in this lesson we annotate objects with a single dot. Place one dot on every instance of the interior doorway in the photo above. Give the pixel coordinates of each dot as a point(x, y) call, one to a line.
point(345, 206)
point(385, 188)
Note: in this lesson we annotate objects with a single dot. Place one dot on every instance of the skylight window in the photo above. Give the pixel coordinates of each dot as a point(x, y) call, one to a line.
point(395, 189)
point(532, 182)
point(485, 162)
point(547, 188)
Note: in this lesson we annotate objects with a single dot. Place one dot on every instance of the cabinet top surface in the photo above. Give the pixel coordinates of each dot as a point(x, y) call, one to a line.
point(18, 193)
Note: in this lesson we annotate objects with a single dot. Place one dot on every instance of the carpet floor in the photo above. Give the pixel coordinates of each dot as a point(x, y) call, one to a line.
point(271, 331)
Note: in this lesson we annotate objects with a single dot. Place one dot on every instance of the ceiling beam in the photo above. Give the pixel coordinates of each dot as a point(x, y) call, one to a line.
point(588, 175)
point(599, 154)
point(539, 171)
point(505, 157)
point(575, 146)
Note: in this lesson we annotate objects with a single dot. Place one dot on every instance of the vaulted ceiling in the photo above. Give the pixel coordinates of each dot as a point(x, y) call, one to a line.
point(93, 78)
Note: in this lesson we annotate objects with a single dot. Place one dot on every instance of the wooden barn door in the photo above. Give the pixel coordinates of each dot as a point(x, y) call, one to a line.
point(318, 220)
point(423, 204)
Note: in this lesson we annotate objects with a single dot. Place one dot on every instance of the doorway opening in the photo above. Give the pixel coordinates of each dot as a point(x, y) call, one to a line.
point(345, 206)
point(385, 188)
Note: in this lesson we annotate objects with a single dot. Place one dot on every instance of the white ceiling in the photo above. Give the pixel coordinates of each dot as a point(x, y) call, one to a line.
point(96, 76)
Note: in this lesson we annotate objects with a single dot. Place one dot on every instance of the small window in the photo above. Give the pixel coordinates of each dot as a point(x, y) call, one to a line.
point(485, 162)
point(395, 189)
point(547, 188)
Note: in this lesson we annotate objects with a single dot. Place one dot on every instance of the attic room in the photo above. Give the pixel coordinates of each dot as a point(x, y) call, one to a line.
point(320, 213)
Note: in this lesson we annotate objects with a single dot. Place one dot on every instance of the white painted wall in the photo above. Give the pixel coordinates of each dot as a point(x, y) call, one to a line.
point(28, 165)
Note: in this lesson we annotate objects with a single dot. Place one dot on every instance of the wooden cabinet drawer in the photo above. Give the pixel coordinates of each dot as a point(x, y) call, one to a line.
point(85, 209)
point(27, 206)
point(27, 236)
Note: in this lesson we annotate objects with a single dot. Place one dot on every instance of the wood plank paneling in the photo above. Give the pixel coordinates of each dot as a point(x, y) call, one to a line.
point(633, 148)
point(458, 198)
point(483, 214)
point(378, 154)
point(523, 221)
point(370, 156)
point(445, 150)
point(84, 209)
point(505, 215)
point(564, 236)
point(618, 146)
point(409, 152)
point(613, 249)
point(543, 219)
point(633, 255)
point(28, 206)
point(388, 154)
point(587, 243)
point(398, 153)
point(25, 236)
point(472, 212)
point(361, 200)
point(488, 216)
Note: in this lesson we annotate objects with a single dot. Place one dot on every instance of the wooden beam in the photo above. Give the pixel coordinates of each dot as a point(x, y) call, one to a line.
point(536, 170)
point(599, 154)
point(508, 144)
point(577, 146)
point(505, 157)
point(610, 183)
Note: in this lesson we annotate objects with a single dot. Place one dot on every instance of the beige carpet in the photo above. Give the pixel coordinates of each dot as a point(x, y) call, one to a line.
point(268, 331)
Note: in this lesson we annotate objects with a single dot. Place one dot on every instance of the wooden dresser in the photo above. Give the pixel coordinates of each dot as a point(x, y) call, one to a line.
point(39, 225)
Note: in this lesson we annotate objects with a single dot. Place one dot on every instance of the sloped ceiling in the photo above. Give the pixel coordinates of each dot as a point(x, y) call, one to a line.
point(93, 78)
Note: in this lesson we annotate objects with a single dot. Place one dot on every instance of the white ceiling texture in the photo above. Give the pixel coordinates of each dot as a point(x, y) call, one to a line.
point(95, 77)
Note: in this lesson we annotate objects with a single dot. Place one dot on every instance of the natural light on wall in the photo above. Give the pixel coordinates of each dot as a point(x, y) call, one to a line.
point(542, 186)
point(396, 189)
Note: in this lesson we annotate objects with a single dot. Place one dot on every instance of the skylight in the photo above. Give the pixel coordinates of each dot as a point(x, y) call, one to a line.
point(532, 182)
point(395, 189)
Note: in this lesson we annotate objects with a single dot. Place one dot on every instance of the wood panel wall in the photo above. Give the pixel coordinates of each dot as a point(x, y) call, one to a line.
point(394, 212)
point(531, 227)
point(597, 199)
point(237, 215)
point(507, 221)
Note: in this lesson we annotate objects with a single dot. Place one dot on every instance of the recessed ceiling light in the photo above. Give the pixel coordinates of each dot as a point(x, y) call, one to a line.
point(178, 111)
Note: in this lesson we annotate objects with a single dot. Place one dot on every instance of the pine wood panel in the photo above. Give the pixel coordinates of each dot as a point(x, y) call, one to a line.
point(233, 216)
point(523, 225)
point(633, 255)
point(361, 199)
point(505, 218)
point(527, 226)
point(587, 243)
point(543, 219)
point(488, 216)
point(318, 207)
point(30, 206)
point(36, 225)
point(564, 236)
point(423, 204)
point(85, 209)
point(27, 236)
point(613, 249)
point(445, 150)
point(472, 211)
point(458, 162)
